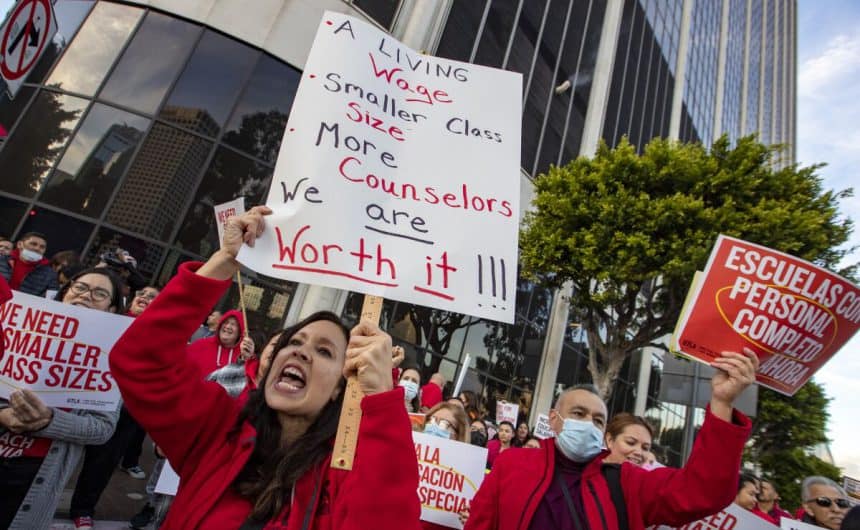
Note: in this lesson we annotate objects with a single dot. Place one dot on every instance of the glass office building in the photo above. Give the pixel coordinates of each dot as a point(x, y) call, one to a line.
point(141, 115)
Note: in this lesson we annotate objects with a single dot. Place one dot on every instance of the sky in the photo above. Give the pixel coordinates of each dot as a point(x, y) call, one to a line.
point(828, 130)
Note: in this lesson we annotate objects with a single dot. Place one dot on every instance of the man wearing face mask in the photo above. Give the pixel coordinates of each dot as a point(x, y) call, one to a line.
point(565, 485)
point(26, 268)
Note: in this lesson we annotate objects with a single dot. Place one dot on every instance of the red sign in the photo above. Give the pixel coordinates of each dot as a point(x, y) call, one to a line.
point(794, 315)
point(29, 28)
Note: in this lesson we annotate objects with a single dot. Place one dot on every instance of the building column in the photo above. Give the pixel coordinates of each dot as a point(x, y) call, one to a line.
point(419, 25)
point(592, 130)
point(745, 80)
point(721, 72)
point(681, 71)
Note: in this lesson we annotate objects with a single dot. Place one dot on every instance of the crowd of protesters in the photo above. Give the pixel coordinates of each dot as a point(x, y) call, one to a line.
point(247, 420)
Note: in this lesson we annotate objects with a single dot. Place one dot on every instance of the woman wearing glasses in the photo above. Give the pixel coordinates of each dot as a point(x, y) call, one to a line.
point(52, 440)
point(447, 420)
point(123, 449)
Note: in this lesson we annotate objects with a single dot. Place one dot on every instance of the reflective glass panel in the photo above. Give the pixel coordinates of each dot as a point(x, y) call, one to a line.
point(208, 87)
point(382, 11)
point(461, 30)
point(69, 15)
point(30, 153)
point(61, 231)
point(147, 255)
point(151, 62)
point(229, 176)
point(258, 123)
point(10, 110)
point(91, 54)
point(12, 212)
point(96, 158)
point(159, 182)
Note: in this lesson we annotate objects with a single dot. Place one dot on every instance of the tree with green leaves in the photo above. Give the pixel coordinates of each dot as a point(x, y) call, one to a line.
point(785, 434)
point(628, 231)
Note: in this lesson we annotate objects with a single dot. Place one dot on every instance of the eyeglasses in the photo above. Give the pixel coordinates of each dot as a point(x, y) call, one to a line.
point(445, 424)
point(98, 294)
point(149, 295)
point(825, 502)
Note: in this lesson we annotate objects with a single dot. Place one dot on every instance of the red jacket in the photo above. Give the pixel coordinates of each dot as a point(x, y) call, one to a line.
point(209, 354)
point(191, 420)
point(511, 493)
point(431, 394)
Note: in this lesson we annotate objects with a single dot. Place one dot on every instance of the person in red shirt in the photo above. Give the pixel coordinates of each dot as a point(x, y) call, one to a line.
point(566, 485)
point(503, 441)
point(768, 504)
point(26, 268)
point(225, 347)
point(263, 461)
point(431, 393)
point(747, 492)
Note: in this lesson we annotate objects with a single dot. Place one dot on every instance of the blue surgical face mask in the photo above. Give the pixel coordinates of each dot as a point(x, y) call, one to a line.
point(411, 388)
point(435, 430)
point(30, 255)
point(579, 440)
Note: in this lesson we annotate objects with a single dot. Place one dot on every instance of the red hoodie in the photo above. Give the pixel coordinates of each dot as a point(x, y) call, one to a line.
point(195, 424)
point(210, 354)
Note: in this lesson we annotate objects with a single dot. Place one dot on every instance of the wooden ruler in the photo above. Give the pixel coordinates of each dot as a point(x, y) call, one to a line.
point(350, 415)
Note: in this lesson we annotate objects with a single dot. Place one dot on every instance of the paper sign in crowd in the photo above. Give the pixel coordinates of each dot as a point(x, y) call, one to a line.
point(449, 475)
point(398, 176)
point(60, 352)
point(732, 518)
point(794, 315)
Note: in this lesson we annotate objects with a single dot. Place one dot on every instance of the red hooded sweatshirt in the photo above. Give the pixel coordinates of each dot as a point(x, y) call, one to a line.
point(210, 354)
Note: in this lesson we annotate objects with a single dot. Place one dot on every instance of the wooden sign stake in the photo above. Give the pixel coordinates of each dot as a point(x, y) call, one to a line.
point(350, 415)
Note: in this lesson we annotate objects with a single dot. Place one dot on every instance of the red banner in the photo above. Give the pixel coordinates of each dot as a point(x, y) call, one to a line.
point(791, 313)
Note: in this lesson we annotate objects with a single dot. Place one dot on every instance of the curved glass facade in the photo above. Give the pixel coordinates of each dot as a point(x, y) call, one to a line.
point(128, 132)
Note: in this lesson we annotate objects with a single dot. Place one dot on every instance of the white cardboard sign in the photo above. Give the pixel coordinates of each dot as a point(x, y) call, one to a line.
point(226, 210)
point(450, 474)
point(60, 352)
point(507, 412)
point(542, 428)
point(793, 524)
point(731, 518)
point(398, 176)
point(168, 481)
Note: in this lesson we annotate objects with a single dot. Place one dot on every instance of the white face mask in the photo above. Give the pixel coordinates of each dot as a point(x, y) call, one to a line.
point(411, 388)
point(579, 440)
point(30, 255)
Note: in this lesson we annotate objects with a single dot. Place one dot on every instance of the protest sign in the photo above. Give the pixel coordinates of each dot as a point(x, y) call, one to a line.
point(852, 487)
point(792, 314)
point(507, 412)
point(398, 176)
point(417, 420)
point(168, 480)
point(226, 210)
point(60, 352)
point(449, 475)
point(542, 428)
point(792, 524)
point(732, 518)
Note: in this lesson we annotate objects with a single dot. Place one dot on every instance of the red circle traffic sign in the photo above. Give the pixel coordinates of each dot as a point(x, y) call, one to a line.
point(16, 67)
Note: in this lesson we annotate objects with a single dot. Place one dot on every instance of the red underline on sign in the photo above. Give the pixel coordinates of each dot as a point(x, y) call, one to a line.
point(434, 293)
point(332, 273)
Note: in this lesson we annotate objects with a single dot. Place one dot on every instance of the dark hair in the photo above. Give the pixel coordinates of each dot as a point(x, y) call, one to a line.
point(587, 387)
point(416, 401)
point(28, 235)
point(851, 520)
point(747, 478)
point(272, 470)
point(622, 420)
point(115, 283)
point(65, 258)
point(509, 424)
